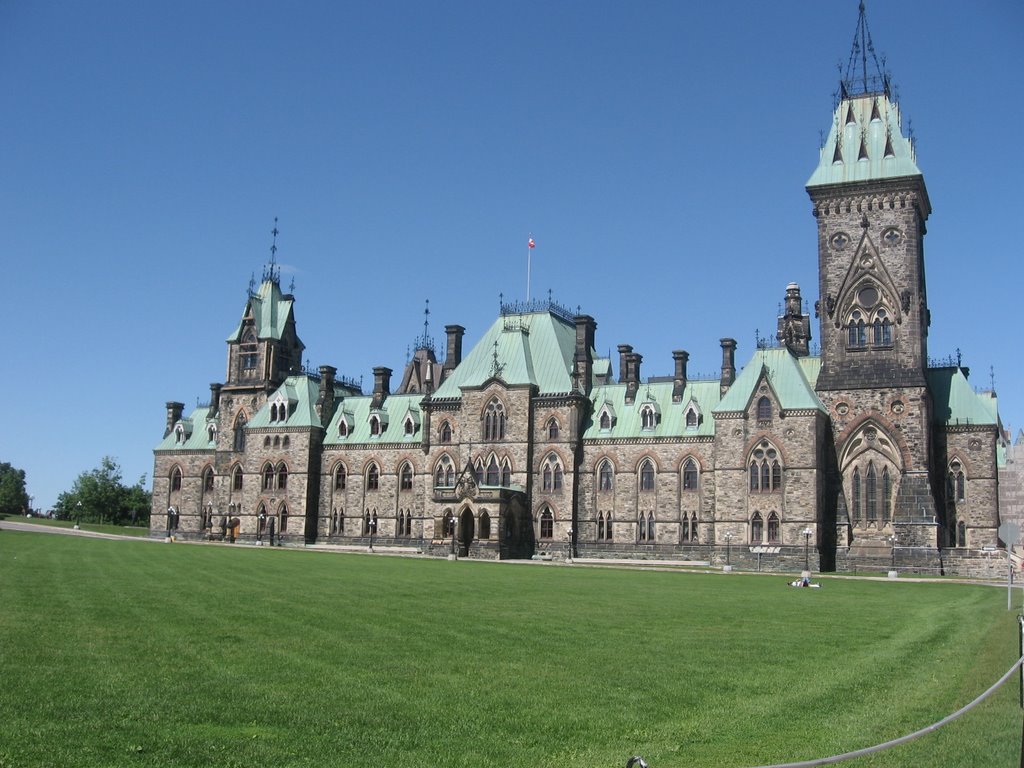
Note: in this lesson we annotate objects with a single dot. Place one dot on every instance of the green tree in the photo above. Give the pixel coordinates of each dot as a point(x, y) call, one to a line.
point(100, 496)
point(13, 496)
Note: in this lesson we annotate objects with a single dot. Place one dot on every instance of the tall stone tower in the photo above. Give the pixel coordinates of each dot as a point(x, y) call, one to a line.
point(871, 205)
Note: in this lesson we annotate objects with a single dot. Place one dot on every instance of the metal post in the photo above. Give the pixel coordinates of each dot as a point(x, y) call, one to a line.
point(568, 554)
point(807, 548)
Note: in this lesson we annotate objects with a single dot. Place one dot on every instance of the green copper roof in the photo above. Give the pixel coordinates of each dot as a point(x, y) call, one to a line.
point(954, 401)
point(529, 348)
point(300, 393)
point(671, 421)
point(865, 143)
point(270, 311)
point(194, 430)
point(791, 378)
point(356, 412)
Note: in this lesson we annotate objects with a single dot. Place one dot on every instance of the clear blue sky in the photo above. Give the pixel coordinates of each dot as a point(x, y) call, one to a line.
point(657, 151)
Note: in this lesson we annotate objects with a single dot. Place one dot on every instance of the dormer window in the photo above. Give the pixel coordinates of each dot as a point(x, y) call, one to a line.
point(179, 434)
point(374, 426)
point(606, 421)
point(410, 426)
point(648, 418)
point(343, 428)
point(211, 433)
point(691, 419)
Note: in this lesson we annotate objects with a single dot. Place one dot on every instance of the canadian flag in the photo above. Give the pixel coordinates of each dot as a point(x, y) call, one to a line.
point(531, 243)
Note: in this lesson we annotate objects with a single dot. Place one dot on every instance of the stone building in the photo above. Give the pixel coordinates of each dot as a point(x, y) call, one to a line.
point(857, 458)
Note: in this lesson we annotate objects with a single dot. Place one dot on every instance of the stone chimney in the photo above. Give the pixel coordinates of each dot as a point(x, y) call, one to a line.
point(680, 357)
point(583, 358)
point(728, 364)
point(453, 355)
point(633, 360)
point(381, 386)
point(325, 400)
point(214, 399)
point(173, 416)
point(794, 326)
point(624, 351)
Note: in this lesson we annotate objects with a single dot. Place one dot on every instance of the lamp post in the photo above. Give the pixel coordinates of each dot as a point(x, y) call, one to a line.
point(78, 515)
point(568, 554)
point(728, 551)
point(373, 529)
point(892, 541)
point(455, 552)
point(807, 548)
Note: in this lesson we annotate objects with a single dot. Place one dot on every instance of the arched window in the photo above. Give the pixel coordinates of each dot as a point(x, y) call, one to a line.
point(266, 441)
point(494, 420)
point(485, 525)
point(366, 523)
point(446, 432)
point(340, 478)
point(410, 426)
point(855, 504)
point(405, 478)
point(641, 525)
point(552, 429)
point(343, 428)
point(773, 528)
point(284, 520)
point(693, 527)
point(374, 426)
point(552, 474)
point(650, 527)
point(686, 528)
point(285, 442)
point(764, 409)
point(961, 534)
point(691, 419)
point(176, 479)
point(607, 526)
point(248, 353)
point(690, 475)
point(605, 476)
point(277, 441)
point(493, 474)
point(886, 494)
point(448, 525)
point(478, 472)
point(239, 439)
point(444, 473)
point(882, 329)
point(857, 330)
point(765, 469)
point(756, 528)
point(547, 524)
point(373, 478)
point(647, 475)
point(506, 473)
point(600, 526)
point(282, 476)
point(871, 493)
point(208, 480)
point(268, 477)
point(956, 482)
point(236, 478)
point(606, 421)
point(648, 418)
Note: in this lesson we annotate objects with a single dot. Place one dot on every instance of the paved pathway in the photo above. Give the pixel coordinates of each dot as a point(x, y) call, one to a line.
point(14, 525)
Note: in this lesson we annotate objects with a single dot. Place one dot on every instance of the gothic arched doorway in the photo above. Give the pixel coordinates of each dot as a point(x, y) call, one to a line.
point(466, 530)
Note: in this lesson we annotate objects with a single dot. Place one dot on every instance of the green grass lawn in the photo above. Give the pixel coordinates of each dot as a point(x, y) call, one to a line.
point(141, 654)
